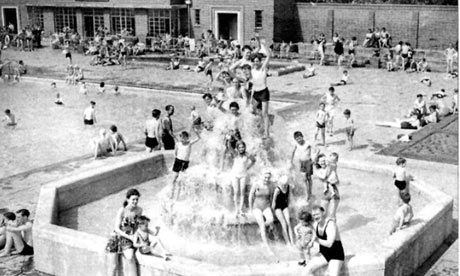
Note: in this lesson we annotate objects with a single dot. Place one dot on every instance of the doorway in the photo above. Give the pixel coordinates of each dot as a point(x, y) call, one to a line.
point(10, 18)
point(88, 23)
point(227, 25)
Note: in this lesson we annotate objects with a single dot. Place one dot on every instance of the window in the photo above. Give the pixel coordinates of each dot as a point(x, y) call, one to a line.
point(93, 20)
point(122, 20)
point(197, 17)
point(159, 22)
point(35, 16)
point(64, 18)
point(258, 22)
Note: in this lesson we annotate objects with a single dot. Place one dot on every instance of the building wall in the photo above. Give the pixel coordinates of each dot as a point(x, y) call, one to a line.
point(246, 7)
point(422, 26)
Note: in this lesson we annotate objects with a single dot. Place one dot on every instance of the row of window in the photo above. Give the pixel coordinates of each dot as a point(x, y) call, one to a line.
point(257, 15)
point(160, 21)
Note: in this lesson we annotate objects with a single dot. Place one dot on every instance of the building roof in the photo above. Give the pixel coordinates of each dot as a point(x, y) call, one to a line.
point(138, 4)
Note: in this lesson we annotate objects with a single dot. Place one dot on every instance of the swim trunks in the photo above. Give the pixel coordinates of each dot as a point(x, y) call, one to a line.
point(88, 122)
point(328, 194)
point(151, 142)
point(401, 185)
point(318, 125)
point(180, 165)
point(306, 167)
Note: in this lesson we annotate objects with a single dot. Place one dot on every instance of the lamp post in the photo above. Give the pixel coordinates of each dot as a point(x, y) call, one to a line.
point(188, 3)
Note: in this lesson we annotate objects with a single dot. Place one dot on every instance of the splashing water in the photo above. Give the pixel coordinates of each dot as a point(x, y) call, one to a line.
point(205, 209)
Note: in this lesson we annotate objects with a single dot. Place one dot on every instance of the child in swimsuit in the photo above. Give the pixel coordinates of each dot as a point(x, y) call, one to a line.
point(242, 162)
point(101, 88)
point(304, 233)
point(404, 214)
point(400, 175)
point(321, 119)
point(58, 100)
point(195, 118)
point(145, 240)
point(349, 128)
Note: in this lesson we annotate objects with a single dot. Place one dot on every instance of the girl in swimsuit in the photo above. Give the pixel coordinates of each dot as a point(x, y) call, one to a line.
point(241, 164)
point(280, 205)
point(259, 202)
point(122, 240)
point(330, 246)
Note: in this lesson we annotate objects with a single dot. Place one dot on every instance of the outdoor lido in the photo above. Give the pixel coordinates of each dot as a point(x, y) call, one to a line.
point(75, 215)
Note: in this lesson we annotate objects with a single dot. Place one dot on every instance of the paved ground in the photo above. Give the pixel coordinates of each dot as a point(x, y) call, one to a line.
point(373, 95)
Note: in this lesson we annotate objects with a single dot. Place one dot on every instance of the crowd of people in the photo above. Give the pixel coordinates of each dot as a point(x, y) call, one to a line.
point(243, 71)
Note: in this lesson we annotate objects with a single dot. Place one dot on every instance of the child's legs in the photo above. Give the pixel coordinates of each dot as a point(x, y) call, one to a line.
point(323, 135)
point(280, 216)
point(308, 183)
point(242, 189)
point(112, 264)
point(317, 131)
point(236, 190)
point(265, 118)
point(333, 207)
point(129, 262)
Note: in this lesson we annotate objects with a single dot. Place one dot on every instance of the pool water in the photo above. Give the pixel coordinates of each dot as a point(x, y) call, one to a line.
point(367, 206)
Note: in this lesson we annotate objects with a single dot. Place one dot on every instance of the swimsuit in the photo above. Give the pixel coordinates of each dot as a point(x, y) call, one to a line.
point(400, 184)
point(335, 252)
point(282, 199)
point(262, 198)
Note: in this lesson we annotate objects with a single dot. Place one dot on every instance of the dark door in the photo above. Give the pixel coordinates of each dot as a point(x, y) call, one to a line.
point(228, 25)
point(88, 26)
point(10, 17)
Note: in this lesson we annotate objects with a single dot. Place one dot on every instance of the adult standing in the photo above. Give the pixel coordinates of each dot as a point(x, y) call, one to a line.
point(167, 129)
point(330, 245)
point(122, 240)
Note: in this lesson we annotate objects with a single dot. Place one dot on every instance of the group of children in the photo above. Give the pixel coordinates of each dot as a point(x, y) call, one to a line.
point(74, 74)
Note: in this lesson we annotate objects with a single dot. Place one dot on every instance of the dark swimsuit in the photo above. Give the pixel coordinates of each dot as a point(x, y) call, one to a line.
point(282, 199)
point(335, 252)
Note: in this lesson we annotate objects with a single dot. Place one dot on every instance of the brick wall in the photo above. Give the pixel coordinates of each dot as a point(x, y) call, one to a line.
point(422, 26)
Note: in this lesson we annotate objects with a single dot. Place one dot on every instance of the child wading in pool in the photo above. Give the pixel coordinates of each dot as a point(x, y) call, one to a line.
point(349, 128)
point(400, 175)
point(182, 152)
point(321, 119)
point(147, 240)
point(404, 214)
point(58, 100)
point(304, 233)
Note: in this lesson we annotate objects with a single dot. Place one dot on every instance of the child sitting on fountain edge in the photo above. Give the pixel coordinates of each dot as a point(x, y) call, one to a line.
point(146, 240)
point(404, 213)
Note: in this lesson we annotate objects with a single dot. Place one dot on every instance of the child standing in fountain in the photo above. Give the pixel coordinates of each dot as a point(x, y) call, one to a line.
point(321, 119)
point(349, 128)
point(304, 233)
point(147, 240)
point(242, 162)
point(182, 152)
point(304, 151)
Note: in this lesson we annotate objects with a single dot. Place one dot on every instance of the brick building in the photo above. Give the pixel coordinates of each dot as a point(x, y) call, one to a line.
point(424, 26)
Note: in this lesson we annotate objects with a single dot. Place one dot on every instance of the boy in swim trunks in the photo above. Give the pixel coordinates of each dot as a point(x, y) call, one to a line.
point(400, 175)
point(89, 116)
point(152, 131)
point(404, 214)
point(146, 240)
point(321, 119)
point(305, 156)
point(183, 151)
